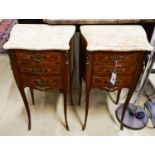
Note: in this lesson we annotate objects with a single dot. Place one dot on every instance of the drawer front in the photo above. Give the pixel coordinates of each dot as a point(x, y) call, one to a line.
point(53, 69)
point(104, 83)
point(111, 58)
point(35, 57)
point(41, 82)
point(104, 70)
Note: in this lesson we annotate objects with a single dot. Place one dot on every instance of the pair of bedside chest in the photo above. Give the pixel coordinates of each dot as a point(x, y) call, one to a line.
point(110, 59)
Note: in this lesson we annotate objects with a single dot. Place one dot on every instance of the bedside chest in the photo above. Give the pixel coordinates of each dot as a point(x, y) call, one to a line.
point(111, 59)
point(41, 58)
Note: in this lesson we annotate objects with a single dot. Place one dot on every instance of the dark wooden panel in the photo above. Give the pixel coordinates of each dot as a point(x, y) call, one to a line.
point(30, 21)
point(41, 81)
point(112, 57)
point(103, 70)
point(98, 21)
point(51, 69)
point(102, 83)
point(38, 57)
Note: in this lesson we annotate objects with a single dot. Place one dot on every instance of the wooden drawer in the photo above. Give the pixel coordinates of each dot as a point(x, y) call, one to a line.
point(52, 69)
point(102, 83)
point(35, 57)
point(41, 81)
point(100, 70)
point(111, 58)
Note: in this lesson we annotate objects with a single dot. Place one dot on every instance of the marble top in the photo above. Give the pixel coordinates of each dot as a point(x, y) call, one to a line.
point(40, 37)
point(115, 38)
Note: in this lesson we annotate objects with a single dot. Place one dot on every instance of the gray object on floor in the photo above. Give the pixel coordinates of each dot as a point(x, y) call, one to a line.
point(131, 121)
point(150, 107)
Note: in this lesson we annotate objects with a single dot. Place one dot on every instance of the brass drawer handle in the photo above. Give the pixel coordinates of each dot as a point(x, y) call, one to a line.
point(39, 71)
point(115, 58)
point(37, 58)
point(108, 81)
point(112, 70)
point(41, 82)
point(110, 89)
point(41, 88)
